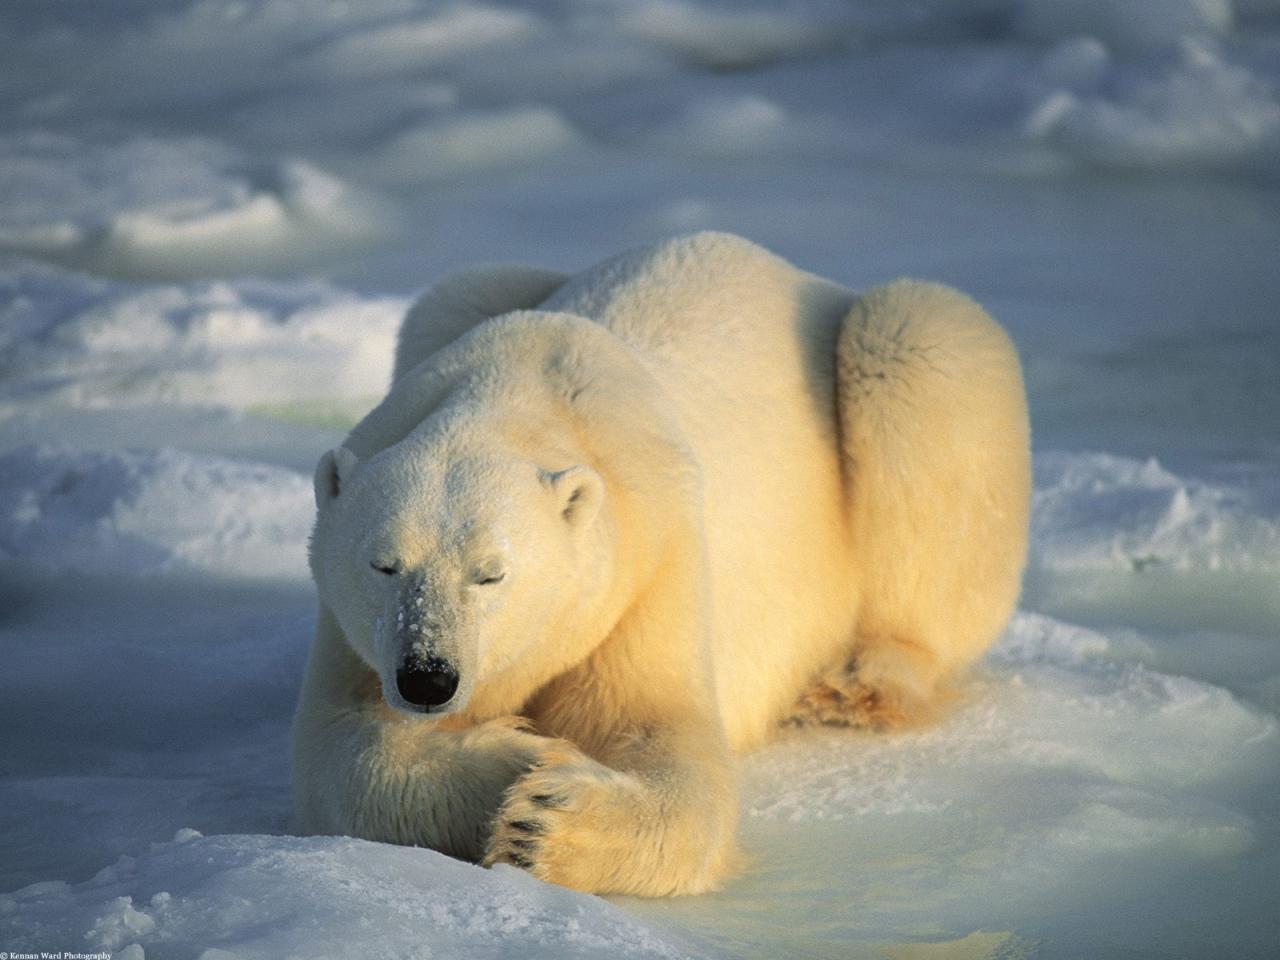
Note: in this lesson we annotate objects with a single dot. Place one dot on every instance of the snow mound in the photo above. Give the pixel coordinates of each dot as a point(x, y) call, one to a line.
point(268, 897)
point(729, 38)
point(150, 512)
point(86, 342)
point(1197, 111)
point(169, 207)
point(475, 143)
point(411, 44)
point(1097, 512)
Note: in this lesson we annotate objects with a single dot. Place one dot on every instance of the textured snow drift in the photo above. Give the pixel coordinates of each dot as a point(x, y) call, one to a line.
point(152, 511)
point(67, 338)
point(405, 44)
point(1198, 110)
point(157, 206)
point(406, 91)
point(474, 142)
point(1098, 512)
point(727, 38)
point(270, 897)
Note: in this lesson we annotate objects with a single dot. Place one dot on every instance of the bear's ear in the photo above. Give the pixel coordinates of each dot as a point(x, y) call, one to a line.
point(578, 492)
point(332, 473)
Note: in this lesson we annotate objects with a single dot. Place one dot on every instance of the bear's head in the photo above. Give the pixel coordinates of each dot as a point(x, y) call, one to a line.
point(446, 563)
point(488, 524)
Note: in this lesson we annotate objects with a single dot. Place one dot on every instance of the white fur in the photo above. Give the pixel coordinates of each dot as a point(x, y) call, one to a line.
point(714, 485)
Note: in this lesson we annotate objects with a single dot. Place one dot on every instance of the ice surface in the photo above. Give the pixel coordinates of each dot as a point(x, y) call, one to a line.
point(1067, 762)
point(214, 213)
point(1056, 698)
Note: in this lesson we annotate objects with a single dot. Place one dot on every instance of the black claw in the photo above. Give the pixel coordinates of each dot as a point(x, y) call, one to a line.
point(547, 800)
point(520, 860)
point(521, 844)
point(526, 826)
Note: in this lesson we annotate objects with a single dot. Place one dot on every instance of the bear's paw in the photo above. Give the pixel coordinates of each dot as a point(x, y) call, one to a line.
point(844, 698)
point(566, 820)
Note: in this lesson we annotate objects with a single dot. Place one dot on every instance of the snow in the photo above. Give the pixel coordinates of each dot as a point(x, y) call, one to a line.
point(72, 339)
point(725, 38)
point(268, 897)
point(1125, 23)
point(474, 142)
point(213, 214)
point(1199, 110)
point(156, 206)
point(152, 511)
point(404, 45)
point(745, 129)
point(1101, 512)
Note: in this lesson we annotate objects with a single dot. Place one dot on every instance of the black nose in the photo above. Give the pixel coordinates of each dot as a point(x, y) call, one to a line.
point(428, 683)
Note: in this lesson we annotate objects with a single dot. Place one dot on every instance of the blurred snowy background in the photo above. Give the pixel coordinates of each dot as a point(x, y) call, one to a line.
point(212, 215)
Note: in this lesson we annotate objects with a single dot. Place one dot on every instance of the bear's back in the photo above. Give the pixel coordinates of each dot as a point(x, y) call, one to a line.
point(744, 344)
point(701, 297)
point(731, 331)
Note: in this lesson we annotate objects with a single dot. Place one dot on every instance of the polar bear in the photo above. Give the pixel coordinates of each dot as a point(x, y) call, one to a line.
point(606, 530)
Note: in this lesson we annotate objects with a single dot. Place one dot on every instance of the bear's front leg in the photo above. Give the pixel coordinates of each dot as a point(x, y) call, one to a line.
point(659, 823)
point(364, 770)
point(637, 794)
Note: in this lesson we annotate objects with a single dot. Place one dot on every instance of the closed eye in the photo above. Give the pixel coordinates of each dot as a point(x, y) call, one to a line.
point(488, 579)
point(389, 571)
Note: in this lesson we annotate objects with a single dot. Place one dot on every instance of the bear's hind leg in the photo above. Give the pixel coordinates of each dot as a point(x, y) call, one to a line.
point(936, 458)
